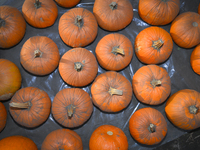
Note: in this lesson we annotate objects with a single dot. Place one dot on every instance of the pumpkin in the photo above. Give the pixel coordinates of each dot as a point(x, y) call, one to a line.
point(30, 107)
point(153, 49)
point(114, 51)
point(72, 107)
point(195, 59)
point(40, 13)
point(111, 92)
point(108, 137)
point(67, 3)
point(158, 12)
point(12, 26)
point(17, 142)
point(77, 27)
point(3, 116)
point(10, 79)
point(185, 29)
point(78, 67)
point(113, 15)
point(199, 9)
point(62, 139)
point(182, 109)
point(148, 126)
point(151, 84)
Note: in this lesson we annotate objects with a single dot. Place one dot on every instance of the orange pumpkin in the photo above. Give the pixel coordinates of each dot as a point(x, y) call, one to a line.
point(17, 142)
point(158, 12)
point(114, 51)
point(40, 13)
point(182, 109)
point(151, 84)
point(67, 3)
point(30, 107)
point(195, 59)
point(153, 49)
point(78, 67)
point(3, 116)
point(148, 126)
point(108, 137)
point(199, 9)
point(12, 26)
point(10, 79)
point(77, 27)
point(113, 15)
point(111, 92)
point(185, 29)
point(62, 139)
point(72, 107)
point(39, 55)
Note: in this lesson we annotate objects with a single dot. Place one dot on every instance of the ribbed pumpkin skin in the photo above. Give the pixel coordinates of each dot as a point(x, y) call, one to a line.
point(67, 3)
point(17, 142)
point(184, 31)
point(148, 92)
point(62, 139)
point(71, 33)
point(37, 113)
point(158, 12)
point(12, 26)
point(3, 116)
point(195, 59)
point(111, 60)
point(108, 137)
point(40, 65)
point(41, 17)
point(177, 109)
point(139, 126)
point(10, 79)
point(77, 98)
point(116, 19)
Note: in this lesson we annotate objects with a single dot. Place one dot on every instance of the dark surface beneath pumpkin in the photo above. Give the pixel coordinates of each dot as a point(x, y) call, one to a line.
point(177, 66)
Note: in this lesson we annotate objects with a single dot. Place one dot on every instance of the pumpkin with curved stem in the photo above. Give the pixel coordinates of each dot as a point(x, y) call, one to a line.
point(3, 116)
point(182, 109)
point(151, 84)
point(12, 26)
point(195, 59)
point(67, 3)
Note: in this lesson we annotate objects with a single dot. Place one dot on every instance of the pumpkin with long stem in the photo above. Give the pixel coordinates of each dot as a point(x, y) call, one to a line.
point(3, 116)
point(195, 59)
point(67, 3)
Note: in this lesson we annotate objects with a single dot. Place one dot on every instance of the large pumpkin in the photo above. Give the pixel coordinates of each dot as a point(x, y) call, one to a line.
point(39, 55)
point(111, 92)
point(114, 51)
point(77, 27)
point(67, 3)
point(72, 107)
point(62, 139)
point(158, 12)
point(3, 116)
point(153, 49)
point(148, 126)
point(30, 107)
point(195, 59)
point(151, 84)
point(182, 109)
point(108, 137)
point(185, 29)
point(113, 15)
point(12, 26)
point(40, 13)
point(10, 79)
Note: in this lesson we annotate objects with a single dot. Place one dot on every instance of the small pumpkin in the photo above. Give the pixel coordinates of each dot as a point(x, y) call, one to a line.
point(10, 79)
point(40, 13)
point(30, 107)
point(182, 109)
point(17, 142)
point(72, 107)
point(113, 15)
point(78, 67)
point(158, 12)
point(153, 49)
point(148, 126)
point(77, 27)
point(185, 29)
point(111, 92)
point(151, 84)
point(12, 26)
point(67, 3)
point(39, 55)
point(62, 139)
point(199, 9)
point(114, 51)
point(3, 116)
point(108, 137)
point(195, 59)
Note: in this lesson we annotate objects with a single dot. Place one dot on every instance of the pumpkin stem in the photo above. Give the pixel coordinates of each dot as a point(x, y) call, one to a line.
point(116, 50)
point(110, 133)
point(158, 44)
point(20, 105)
point(70, 110)
point(37, 4)
point(113, 91)
point(37, 53)
point(79, 21)
point(195, 24)
point(78, 66)
point(113, 5)
point(152, 128)
point(2, 22)
point(155, 83)
point(193, 109)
